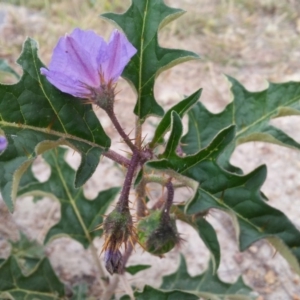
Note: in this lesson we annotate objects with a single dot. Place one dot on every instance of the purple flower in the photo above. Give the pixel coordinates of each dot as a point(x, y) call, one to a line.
point(83, 64)
point(113, 261)
point(3, 143)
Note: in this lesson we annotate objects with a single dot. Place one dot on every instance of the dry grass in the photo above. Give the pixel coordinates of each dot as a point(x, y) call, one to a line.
point(232, 32)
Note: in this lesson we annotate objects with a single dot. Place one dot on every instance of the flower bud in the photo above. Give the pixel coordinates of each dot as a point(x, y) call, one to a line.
point(113, 261)
point(117, 228)
point(157, 233)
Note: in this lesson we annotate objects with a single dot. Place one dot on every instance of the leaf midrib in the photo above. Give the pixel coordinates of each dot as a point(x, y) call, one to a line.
point(198, 130)
point(48, 294)
point(265, 117)
point(141, 57)
point(229, 208)
point(51, 132)
point(71, 200)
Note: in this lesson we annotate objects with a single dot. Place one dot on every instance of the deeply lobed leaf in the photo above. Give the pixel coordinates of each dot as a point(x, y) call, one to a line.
point(42, 283)
point(28, 253)
point(250, 112)
point(152, 293)
point(79, 216)
point(207, 285)
point(141, 23)
point(36, 117)
point(237, 195)
point(180, 108)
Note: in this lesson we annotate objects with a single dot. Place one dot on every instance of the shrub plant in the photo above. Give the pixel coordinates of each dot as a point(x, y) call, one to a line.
point(53, 106)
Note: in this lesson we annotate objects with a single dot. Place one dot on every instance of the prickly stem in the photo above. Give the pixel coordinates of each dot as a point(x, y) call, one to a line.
point(123, 204)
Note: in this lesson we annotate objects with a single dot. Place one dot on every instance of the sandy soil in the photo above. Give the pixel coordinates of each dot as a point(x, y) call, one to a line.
point(253, 41)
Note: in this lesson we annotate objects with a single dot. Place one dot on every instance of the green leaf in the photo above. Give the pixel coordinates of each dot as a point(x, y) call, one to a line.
point(5, 67)
point(80, 292)
point(41, 284)
point(208, 155)
point(250, 112)
point(27, 253)
point(36, 117)
point(141, 23)
point(176, 132)
point(181, 108)
point(137, 268)
point(151, 293)
point(205, 231)
point(209, 237)
point(207, 285)
point(237, 195)
point(79, 216)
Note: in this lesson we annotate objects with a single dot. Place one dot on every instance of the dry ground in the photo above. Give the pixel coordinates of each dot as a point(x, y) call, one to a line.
point(251, 40)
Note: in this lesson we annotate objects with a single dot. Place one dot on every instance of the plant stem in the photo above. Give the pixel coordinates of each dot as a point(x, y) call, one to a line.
point(120, 130)
point(111, 288)
point(123, 200)
point(116, 157)
point(126, 255)
point(127, 286)
point(170, 197)
point(98, 264)
point(138, 133)
point(140, 199)
point(141, 189)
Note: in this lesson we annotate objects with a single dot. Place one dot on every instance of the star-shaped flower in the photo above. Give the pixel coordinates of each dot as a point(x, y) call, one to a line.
point(84, 65)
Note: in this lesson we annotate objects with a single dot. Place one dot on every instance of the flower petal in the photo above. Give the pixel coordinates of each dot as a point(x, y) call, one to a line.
point(85, 66)
point(66, 84)
point(113, 261)
point(3, 143)
point(92, 43)
point(120, 51)
point(77, 56)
